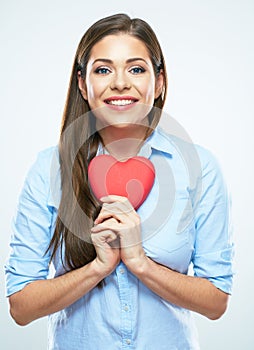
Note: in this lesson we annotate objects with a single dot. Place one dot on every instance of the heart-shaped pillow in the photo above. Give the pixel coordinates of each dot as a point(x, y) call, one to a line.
point(133, 178)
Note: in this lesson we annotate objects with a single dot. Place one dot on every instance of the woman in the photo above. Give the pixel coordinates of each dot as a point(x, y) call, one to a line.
point(121, 274)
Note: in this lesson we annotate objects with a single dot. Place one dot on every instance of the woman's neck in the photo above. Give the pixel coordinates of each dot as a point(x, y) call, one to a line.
point(123, 142)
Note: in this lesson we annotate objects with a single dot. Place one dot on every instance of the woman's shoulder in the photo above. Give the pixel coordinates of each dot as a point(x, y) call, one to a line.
point(47, 154)
point(46, 163)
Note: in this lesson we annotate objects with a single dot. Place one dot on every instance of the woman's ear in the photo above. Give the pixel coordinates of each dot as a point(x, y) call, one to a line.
point(159, 83)
point(82, 86)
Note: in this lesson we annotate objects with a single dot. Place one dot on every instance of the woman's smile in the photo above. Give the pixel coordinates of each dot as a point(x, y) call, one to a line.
point(120, 102)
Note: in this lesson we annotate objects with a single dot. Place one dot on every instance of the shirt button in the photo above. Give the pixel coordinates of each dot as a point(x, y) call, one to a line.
point(122, 271)
point(128, 341)
point(126, 308)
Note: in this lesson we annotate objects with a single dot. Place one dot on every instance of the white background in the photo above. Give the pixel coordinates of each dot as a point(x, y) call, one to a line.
point(209, 51)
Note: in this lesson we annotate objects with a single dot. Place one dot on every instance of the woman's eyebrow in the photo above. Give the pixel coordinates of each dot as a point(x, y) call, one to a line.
point(105, 60)
point(129, 60)
point(136, 59)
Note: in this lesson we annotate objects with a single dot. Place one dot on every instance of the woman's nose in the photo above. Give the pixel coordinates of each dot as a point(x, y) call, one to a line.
point(120, 82)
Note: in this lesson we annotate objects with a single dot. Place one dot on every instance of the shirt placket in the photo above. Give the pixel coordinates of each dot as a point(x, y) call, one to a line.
point(126, 307)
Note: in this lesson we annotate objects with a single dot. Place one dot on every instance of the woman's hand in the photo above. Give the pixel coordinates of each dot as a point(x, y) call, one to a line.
point(105, 243)
point(126, 226)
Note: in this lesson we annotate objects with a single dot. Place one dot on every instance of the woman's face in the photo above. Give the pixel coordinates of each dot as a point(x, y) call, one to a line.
point(120, 78)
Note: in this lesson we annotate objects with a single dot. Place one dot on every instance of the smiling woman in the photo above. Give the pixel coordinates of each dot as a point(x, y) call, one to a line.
point(121, 276)
point(125, 67)
point(120, 77)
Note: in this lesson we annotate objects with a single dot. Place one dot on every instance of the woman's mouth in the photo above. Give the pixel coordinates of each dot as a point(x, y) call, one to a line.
point(120, 101)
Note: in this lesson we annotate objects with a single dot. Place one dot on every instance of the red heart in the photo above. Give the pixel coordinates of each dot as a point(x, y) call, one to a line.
point(133, 178)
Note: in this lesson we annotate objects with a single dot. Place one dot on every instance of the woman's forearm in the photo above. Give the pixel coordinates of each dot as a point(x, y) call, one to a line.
point(193, 293)
point(43, 297)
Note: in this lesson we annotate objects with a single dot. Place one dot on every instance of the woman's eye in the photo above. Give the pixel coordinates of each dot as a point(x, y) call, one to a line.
point(102, 70)
point(137, 70)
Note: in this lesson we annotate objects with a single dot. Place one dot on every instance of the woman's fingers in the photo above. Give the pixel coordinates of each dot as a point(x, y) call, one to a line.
point(104, 215)
point(117, 202)
point(118, 208)
point(105, 234)
point(106, 243)
point(113, 198)
point(101, 237)
point(106, 225)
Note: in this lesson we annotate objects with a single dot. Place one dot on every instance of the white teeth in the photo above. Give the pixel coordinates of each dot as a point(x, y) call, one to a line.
point(120, 102)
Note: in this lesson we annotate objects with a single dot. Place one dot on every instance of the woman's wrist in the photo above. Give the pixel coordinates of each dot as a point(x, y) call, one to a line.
point(138, 265)
point(100, 269)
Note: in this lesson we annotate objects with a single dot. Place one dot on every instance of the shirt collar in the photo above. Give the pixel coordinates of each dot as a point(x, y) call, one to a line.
point(158, 141)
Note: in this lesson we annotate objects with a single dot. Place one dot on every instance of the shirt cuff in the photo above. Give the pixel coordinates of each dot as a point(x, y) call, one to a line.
point(217, 267)
point(20, 272)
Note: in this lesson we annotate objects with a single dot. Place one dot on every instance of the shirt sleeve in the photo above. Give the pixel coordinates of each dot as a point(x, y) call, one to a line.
point(214, 249)
point(31, 229)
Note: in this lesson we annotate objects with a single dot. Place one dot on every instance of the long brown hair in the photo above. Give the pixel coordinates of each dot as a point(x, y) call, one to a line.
point(78, 207)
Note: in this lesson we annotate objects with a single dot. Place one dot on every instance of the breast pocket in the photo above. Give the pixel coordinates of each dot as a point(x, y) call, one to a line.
point(173, 250)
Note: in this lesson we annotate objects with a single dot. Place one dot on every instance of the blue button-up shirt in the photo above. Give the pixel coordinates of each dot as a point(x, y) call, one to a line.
point(185, 222)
